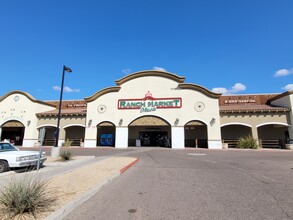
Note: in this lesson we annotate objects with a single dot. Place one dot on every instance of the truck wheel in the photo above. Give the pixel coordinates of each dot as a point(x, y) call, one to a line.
point(3, 166)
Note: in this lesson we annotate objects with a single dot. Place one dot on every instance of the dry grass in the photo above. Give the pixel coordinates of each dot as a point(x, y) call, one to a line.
point(74, 183)
point(25, 198)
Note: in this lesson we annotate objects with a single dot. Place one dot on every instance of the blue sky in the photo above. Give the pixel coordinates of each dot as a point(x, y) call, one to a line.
point(230, 46)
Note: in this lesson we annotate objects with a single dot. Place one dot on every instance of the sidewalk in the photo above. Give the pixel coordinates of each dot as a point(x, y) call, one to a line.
point(79, 180)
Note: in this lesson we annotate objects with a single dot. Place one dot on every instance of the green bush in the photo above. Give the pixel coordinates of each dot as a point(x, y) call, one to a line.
point(247, 142)
point(67, 143)
point(65, 155)
point(26, 196)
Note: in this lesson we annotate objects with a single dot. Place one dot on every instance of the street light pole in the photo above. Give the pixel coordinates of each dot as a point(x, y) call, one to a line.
point(65, 69)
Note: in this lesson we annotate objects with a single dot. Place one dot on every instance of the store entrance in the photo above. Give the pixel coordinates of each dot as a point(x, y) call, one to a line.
point(154, 138)
point(13, 131)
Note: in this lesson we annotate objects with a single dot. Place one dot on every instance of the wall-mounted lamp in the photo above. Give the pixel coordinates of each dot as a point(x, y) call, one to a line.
point(89, 123)
point(28, 123)
point(120, 122)
point(176, 121)
point(212, 122)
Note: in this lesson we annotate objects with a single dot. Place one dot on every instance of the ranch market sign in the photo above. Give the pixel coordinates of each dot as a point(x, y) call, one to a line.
point(149, 103)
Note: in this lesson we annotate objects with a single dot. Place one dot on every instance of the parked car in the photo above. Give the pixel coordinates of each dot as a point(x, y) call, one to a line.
point(12, 157)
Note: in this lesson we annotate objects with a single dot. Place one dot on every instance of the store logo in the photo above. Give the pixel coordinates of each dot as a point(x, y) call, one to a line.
point(149, 103)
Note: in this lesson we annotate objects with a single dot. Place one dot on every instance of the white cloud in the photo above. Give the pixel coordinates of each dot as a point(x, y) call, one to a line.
point(283, 72)
point(159, 68)
point(126, 71)
point(288, 87)
point(220, 90)
point(57, 88)
point(66, 89)
point(238, 87)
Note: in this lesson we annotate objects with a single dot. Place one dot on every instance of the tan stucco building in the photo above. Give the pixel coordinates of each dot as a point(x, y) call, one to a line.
point(150, 108)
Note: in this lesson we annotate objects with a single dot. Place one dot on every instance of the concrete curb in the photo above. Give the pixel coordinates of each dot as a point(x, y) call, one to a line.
point(128, 166)
point(68, 208)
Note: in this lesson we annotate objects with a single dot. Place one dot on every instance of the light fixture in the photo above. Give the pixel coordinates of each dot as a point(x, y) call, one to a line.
point(176, 121)
point(120, 122)
point(28, 123)
point(89, 123)
point(212, 122)
point(65, 69)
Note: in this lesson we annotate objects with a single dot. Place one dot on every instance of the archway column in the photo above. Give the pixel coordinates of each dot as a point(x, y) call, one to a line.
point(177, 137)
point(290, 130)
point(121, 139)
point(90, 137)
point(254, 132)
point(214, 135)
point(214, 144)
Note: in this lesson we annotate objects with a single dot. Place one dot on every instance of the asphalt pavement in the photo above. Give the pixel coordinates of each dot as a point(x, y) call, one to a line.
point(198, 184)
point(188, 184)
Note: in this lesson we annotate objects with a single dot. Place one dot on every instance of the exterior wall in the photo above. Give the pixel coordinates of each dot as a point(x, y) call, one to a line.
point(177, 137)
point(287, 101)
point(159, 87)
point(121, 140)
point(64, 122)
point(255, 120)
point(23, 108)
point(17, 106)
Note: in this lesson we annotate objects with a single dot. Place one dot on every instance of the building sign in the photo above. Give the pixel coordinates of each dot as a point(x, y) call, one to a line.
point(236, 101)
point(76, 105)
point(149, 103)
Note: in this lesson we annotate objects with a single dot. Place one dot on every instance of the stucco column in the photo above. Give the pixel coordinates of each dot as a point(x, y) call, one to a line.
point(254, 132)
point(290, 128)
point(177, 137)
point(61, 139)
point(90, 139)
point(121, 139)
point(214, 134)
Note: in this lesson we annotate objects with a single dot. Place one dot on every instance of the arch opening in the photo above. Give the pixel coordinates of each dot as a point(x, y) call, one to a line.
point(106, 134)
point(273, 136)
point(13, 131)
point(49, 138)
point(149, 131)
point(75, 134)
point(232, 133)
point(196, 134)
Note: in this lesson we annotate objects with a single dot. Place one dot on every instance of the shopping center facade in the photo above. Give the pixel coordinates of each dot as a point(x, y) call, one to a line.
point(150, 108)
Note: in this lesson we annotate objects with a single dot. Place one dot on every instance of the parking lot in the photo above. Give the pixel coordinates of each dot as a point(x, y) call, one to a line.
point(198, 184)
point(190, 184)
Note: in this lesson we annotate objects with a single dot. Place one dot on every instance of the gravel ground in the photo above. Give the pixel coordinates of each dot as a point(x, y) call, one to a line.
point(72, 185)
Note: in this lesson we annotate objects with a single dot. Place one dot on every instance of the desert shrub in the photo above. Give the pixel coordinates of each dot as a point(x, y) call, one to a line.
point(247, 142)
point(67, 143)
point(27, 196)
point(65, 155)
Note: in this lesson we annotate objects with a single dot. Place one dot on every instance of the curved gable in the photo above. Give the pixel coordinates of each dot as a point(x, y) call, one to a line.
point(30, 97)
point(167, 75)
point(200, 89)
point(102, 92)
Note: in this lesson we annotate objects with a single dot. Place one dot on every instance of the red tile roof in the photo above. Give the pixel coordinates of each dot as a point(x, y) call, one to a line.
point(228, 104)
point(64, 112)
point(249, 103)
point(69, 108)
point(251, 108)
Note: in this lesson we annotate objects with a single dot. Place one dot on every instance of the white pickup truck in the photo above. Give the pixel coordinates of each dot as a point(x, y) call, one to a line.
point(12, 157)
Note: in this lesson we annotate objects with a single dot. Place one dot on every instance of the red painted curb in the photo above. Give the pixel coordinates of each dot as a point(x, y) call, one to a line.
point(128, 166)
